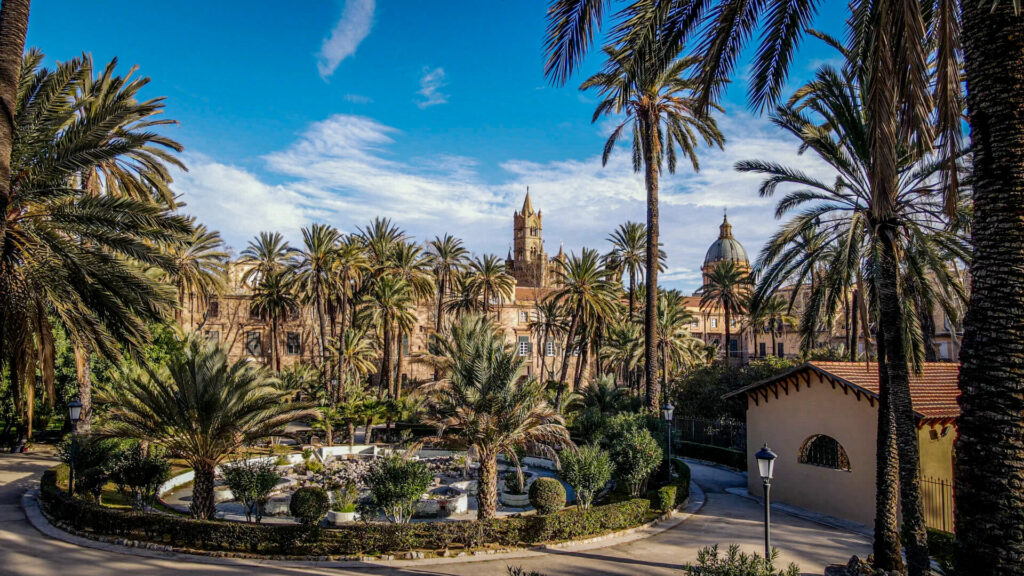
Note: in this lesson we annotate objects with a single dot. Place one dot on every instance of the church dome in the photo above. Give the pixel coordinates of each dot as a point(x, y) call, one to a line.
point(726, 248)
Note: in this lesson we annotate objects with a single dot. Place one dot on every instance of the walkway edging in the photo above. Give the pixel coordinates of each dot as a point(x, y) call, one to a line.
point(35, 516)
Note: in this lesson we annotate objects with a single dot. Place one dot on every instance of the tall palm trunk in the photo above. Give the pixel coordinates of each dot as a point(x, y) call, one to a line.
point(351, 435)
point(274, 351)
point(775, 347)
point(852, 341)
point(487, 495)
point(651, 151)
point(990, 442)
point(322, 320)
point(442, 281)
point(385, 361)
point(890, 309)
point(565, 357)
point(728, 333)
point(632, 294)
point(887, 539)
point(398, 364)
point(581, 364)
point(13, 27)
point(202, 506)
point(84, 375)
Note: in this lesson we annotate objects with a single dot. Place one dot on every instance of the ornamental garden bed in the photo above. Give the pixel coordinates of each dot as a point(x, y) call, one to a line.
point(356, 540)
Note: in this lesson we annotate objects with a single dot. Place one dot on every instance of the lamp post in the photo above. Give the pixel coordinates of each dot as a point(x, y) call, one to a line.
point(666, 412)
point(766, 467)
point(74, 414)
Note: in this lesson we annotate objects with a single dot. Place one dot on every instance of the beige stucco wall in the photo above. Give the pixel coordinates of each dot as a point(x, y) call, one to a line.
point(785, 423)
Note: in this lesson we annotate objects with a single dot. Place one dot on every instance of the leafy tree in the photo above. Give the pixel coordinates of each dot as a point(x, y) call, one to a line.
point(396, 484)
point(309, 504)
point(449, 258)
point(726, 288)
point(273, 298)
point(636, 455)
point(138, 474)
point(587, 469)
point(267, 253)
point(200, 406)
point(251, 481)
point(489, 283)
point(314, 273)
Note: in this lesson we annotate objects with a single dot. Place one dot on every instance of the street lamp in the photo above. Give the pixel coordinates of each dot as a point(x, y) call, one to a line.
point(666, 413)
point(74, 414)
point(766, 467)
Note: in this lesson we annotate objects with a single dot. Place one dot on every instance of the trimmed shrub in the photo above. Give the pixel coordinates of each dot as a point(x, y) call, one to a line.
point(636, 455)
point(547, 495)
point(396, 484)
point(251, 482)
point(587, 469)
point(666, 498)
point(139, 476)
point(309, 504)
point(726, 456)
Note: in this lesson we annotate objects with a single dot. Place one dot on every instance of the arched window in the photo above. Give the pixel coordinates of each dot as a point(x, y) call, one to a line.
point(824, 451)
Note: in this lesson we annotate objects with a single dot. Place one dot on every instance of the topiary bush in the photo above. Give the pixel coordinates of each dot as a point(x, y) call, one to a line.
point(666, 499)
point(547, 495)
point(309, 504)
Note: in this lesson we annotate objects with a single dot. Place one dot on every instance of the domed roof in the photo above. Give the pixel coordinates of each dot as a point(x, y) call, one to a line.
point(726, 247)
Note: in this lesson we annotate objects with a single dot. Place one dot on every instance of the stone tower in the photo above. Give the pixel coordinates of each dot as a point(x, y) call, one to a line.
point(528, 262)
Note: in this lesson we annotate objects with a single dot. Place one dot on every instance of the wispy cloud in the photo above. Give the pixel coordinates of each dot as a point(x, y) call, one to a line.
point(430, 88)
point(342, 171)
point(357, 99)
point(353, 27)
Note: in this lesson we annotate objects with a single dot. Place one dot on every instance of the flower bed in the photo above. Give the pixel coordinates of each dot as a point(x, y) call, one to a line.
point(359, 539)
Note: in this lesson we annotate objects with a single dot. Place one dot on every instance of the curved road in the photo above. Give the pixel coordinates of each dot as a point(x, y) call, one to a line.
point(725, 519)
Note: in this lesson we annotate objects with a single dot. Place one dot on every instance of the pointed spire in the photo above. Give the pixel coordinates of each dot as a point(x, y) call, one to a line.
point(561, 252)
point(725, 230)
point(527, 206)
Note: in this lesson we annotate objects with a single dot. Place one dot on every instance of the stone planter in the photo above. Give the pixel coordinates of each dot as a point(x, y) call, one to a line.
point(277, 507)
point(467, 486)
point(515, 500)
point(338, 518)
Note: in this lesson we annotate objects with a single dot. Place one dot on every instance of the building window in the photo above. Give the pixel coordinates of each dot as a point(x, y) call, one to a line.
point(734, 347)
point(533, 231)
point(732, 322)
point(213, 336)
point(253, 345)
point(524, 316)
point(293, 345)
point(549, 349)
point(824, 451)
point(782, 350)
point(694, 324)
point(213, 310)
point(714, 322)
point(763, 350)
point(254, 313)
point(293, 314)
point(524, 345)
point(405, 345)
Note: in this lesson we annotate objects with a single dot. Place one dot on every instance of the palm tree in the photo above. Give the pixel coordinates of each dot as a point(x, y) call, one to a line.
point(989, 502)
point(462, 301)
point(627, 256)
point(350, 266)
point(654, 93)
point(602, 394)
point(725, 288)
point(623, 348)
point(774, 313)
point(357, 356)
point(200, 267)
point(200, 406)
point(448, 257)
point(548, 326)
point(489, 283)
point(484, 402)
point(72, 255)
point(585, 294)
point(274, 299)
point(675, 342)
point(267, 253)
point(390, 304)
point(13, 28)
point(316, 282)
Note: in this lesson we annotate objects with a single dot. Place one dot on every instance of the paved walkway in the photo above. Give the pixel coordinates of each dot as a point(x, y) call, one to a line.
point(725, 518)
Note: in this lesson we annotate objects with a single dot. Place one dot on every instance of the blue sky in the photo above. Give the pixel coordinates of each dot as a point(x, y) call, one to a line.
point(347, 109)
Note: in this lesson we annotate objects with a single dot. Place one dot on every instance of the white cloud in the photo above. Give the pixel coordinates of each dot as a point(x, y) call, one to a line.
point(353, 27)
point(341, 171)
point(430, 88)
point(357, 99)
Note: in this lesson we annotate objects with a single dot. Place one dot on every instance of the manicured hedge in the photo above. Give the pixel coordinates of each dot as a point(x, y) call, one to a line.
point(547, 495)
point(727, 456)
point(357, 539)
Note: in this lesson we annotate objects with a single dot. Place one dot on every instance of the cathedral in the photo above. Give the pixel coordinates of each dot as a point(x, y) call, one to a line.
point(527, 261)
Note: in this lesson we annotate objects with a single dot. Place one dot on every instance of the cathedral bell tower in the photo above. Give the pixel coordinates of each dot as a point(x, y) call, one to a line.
point(528, 261)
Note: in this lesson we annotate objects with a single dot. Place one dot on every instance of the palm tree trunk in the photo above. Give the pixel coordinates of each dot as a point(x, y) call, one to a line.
point(852, 336)
point(543, 356)
point(274, 343)
point(664, 368)
point(632, 294)
point(13, 27)
point(322, 320)
point(441, 281)
point(916, 537)
point(887, 539)
point(775, 348)
point(487, 494)
point(990, 442)
point(351, 436)
point(728, 335)
point(398, 364)
point(84, 375)
point(202, 506)
point(385, 361)
point(565, 358)
point(650, 141)
point(581, 364)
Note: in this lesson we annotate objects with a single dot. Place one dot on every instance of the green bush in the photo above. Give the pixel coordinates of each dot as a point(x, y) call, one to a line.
point(139, 475)
point(710, 562)
point(309, 504)
point(396, 484)
point(345, 497)
point(666, 498)
point(514, 482)
point(547, 495)
point(587, 469)
point(726, 456)
point(251, 482)
point(682, 481)
point(942, 547)
point(315, 466)
point(365, 538)
point(636, 455)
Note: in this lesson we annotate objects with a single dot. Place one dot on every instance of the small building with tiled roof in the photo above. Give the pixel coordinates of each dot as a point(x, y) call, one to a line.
point(821, 419)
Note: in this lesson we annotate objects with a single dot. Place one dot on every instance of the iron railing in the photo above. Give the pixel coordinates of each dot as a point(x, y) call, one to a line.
point(723, 433)
point(937, 496)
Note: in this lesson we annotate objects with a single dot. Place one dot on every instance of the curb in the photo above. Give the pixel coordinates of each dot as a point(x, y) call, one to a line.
point(35, 517)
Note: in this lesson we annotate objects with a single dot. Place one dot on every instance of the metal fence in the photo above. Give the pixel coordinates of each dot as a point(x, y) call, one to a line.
point(937, 496)
point(723, 433)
